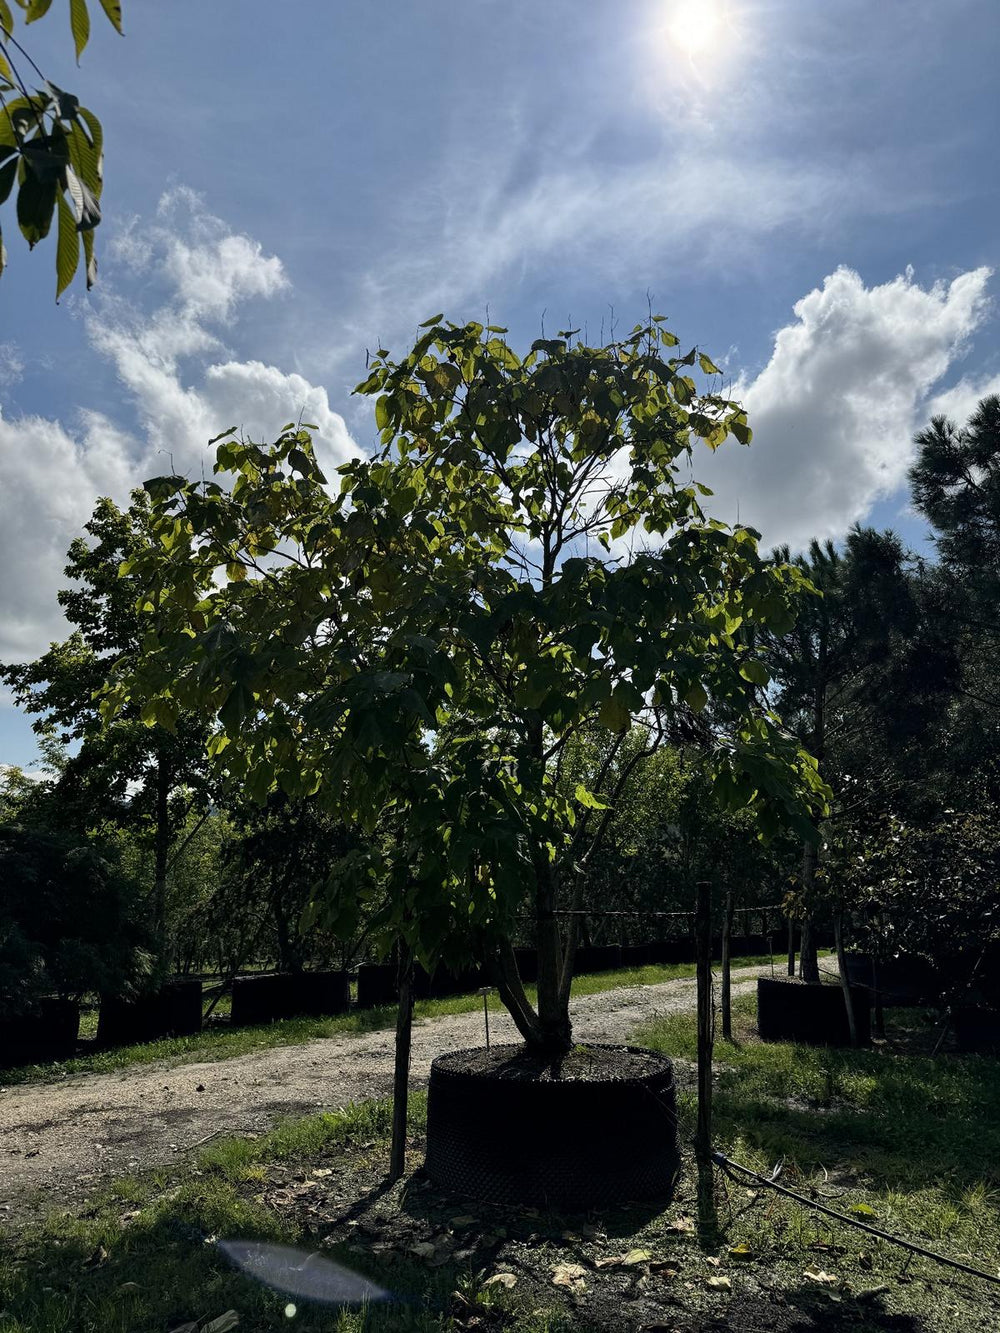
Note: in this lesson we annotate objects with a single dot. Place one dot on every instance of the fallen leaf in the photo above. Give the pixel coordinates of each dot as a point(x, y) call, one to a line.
point(323, 1172)
point(741, 1251)
point(862, 1210)
point(712, 1261)
point(636, 1257)
point(681, 1224)
point(821, 1276)
point(663, 1270)
point(465, 1220)
point(507, 1280)
point(719, 1281)
point(100, 1256)
point(569, 1275)
point(423, 1249)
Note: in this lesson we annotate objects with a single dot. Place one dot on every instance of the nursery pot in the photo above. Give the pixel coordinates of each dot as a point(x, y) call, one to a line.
point(594, 1128)
point(792, 1010)
point(172, 1011)
point(274, 995)
point(50, 1033)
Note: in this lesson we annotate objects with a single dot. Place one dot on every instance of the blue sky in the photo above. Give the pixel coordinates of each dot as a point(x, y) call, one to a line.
point(809, 190)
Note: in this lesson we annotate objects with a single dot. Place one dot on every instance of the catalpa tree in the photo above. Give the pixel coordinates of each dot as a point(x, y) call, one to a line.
point(417, 640)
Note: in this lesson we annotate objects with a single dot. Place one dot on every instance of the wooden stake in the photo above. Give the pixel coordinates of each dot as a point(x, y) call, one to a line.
point(845, 983)
point(401, 1073)
point(727, 929)
point(703, 933)
point(791, 947)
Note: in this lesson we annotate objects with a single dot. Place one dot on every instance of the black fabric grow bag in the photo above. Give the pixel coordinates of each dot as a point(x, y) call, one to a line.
point(635, 955)
point(173, 1011)
point(570, 1145)
point(48, 1034)
point(792, 1010)
point(274, 995)
point(666, 952)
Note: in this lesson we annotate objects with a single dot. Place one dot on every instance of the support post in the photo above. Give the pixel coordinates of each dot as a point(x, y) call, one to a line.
point(727, 931)
point(401, 1072)
point(791, 946)
point(708, 1226)
point(845, 981)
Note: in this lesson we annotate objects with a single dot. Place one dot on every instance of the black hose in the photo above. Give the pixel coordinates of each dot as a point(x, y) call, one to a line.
point(727, 1164)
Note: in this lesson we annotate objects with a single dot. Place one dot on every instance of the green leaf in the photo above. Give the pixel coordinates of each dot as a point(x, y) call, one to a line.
point(6, 17)
point(756, 672)
point(381, 412)
point(88, 253)
point(708, 365)
point(37, 9)
point(67, 247)
point(36, 202)
point(6, 73)
point(7, 174)
point(614, 714)
point(114, 12)
point(429, 323)
point(588, 799)
point(79, 21)
point(695, 696)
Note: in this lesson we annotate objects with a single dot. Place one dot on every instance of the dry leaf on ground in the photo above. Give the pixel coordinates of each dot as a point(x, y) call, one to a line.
point(821, 1276)
point(719, 1281)
point(569, 1275)
point(507, 1280)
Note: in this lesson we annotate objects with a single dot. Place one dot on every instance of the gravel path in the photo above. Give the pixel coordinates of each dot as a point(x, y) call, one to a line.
point(57, 1140)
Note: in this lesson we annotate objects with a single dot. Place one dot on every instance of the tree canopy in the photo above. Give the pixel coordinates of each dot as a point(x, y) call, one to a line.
point(523, 556)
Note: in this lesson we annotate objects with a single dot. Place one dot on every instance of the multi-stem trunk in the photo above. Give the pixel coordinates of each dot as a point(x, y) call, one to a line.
point(161, 849)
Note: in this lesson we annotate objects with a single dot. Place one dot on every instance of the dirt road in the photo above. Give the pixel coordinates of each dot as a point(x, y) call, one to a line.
point(58, 1140)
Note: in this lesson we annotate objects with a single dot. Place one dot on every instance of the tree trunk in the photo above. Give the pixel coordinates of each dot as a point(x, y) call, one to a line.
point(401, 1072)
point(808, 960)
point(791, 946)
point(161, 849)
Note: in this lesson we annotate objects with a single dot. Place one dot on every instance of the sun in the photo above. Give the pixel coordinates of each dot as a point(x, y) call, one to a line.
point(698, 27)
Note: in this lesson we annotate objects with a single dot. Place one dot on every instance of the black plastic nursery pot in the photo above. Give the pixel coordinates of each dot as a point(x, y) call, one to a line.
point(635, 955)
point(172, 1011)
point(793, 1010)
point(597, 958)
point(603, 1131)
point(977, 1029)
point(275, 995)
point(446, 981)
point(665, 952)
point(527, 965)
point(50, 1033)
point(901, 981)
point(377, 985)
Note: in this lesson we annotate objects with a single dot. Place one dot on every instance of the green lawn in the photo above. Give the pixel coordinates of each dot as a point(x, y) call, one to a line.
point(225, 1043)
point(909, 1141)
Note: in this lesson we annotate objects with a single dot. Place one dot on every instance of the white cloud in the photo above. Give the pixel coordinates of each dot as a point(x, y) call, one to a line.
point(11, 365)
point(834, 410)
point(183, 385)
point(960, 401)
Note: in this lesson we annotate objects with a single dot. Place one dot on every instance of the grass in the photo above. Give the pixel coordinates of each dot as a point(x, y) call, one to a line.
point(144, 1256)
point(225, 1043)
point(906, 1141)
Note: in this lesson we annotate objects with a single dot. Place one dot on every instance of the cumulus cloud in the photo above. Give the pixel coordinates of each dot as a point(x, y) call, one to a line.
point(183, 386)
point(834, 410)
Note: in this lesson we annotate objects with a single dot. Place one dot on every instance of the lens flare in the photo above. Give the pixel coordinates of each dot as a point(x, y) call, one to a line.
point(299, 1273)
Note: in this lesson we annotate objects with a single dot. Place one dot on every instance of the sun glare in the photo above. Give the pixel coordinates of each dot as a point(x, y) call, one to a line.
point(697, 27)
